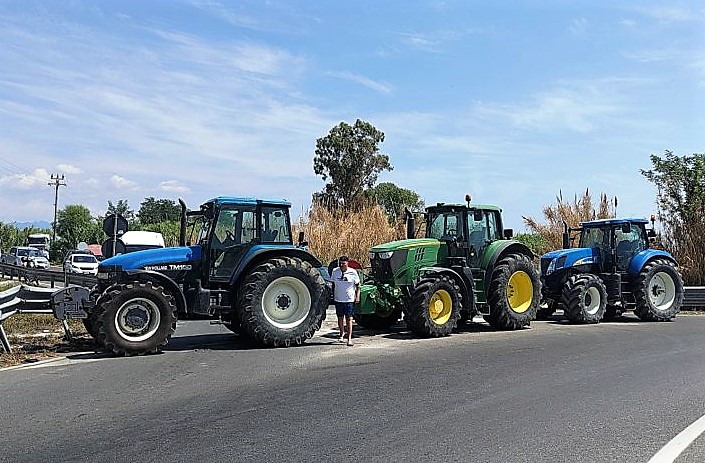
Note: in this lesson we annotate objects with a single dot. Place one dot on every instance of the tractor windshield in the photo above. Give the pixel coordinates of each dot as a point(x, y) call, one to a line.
point(441, 226)
point(594, 237)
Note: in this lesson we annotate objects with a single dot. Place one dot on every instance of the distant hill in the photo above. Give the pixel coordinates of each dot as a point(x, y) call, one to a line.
point(43, 224)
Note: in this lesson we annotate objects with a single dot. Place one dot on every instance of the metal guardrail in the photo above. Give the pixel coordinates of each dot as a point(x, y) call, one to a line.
point(694, 296)
point(53, 277)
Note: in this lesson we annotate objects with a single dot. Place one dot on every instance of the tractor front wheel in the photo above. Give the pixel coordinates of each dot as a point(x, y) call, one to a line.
point(584, 299)
point(136, 318)
point(514, 293)
point(283, 302)
point(658, 291)
point(434, 308)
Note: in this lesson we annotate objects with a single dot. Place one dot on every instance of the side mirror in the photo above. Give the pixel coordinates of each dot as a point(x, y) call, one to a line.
point(651, 233)
point(508, 233)
point(302, 241)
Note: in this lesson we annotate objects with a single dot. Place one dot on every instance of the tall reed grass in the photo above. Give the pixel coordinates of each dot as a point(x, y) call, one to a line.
point(332, 232)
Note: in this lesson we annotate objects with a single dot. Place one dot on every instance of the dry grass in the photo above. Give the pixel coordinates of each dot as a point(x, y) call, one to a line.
point(332, 233)
point(687, 243)
point(580, 210)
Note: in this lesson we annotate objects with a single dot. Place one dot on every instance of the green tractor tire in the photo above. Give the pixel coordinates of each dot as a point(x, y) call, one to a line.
point(434, 308)
point(584, 298)
point(514, 293)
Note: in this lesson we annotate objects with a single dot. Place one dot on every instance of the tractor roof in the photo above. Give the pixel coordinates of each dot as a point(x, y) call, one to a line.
point(465, 206)
point(248, 200)
point(600, 222)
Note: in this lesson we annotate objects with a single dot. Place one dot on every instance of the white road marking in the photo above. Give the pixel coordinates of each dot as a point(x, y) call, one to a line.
point(675, 447)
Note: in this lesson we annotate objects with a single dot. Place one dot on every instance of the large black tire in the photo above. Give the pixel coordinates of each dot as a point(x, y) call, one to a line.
point(658, 291)
point(584, 298)
point(283, 302)
point(514, 294)
point(135, 318)
point(91, 324)
point(434, 307)
point(373, 321)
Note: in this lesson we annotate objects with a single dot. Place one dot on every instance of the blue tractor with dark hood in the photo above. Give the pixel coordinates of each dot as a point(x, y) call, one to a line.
point(613, 269)
point(239, 266)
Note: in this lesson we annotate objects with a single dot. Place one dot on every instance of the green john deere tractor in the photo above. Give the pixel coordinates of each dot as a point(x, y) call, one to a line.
point(466, 266)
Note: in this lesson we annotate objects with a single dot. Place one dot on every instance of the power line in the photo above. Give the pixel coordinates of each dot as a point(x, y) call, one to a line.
point(56, 183)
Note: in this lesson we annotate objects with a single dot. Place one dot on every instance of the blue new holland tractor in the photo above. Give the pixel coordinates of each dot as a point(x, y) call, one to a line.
point(613, 269)
point(239, 266)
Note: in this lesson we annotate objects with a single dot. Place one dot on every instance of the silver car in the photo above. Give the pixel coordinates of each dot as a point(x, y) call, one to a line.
point(25, 256)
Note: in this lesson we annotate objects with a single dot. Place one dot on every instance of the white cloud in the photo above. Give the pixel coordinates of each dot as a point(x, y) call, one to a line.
point(38, 178)
point(364, 81)
point(578, 27)
point(69, 169)
point(122, 183)
point(174, 186)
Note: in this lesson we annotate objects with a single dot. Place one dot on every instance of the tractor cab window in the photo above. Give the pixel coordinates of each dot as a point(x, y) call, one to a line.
point(444, 226)
point(594, 237)
point(629, 240)
point(477, 230)
point(275, 225)
point(234, 228)
point(493, 225)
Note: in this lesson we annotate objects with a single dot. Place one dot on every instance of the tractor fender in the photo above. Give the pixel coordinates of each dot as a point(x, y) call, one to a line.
point(258, 254)
point(168, 284)
point(499, 249)
point(462, 277)
point(640, 259)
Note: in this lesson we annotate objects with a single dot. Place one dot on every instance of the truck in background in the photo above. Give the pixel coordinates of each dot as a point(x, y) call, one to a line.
point(40, 241)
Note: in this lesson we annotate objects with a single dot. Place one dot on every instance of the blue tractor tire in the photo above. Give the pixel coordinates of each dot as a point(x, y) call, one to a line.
point(658, 291)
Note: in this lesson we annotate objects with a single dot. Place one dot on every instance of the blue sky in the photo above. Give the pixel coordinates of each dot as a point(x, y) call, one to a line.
point(509, 101)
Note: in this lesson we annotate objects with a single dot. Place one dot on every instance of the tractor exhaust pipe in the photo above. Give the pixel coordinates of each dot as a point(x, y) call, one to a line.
point(182, 228)
point(566, 235)
point(410, 224)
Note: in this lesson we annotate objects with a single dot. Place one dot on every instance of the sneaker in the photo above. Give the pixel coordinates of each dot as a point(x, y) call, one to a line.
point(341, 340)
point(350, 343)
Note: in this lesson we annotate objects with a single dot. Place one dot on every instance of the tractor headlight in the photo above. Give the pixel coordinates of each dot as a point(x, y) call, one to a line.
point(556, 264)
point(371, 255)
point(385, 255)
point(551, 267)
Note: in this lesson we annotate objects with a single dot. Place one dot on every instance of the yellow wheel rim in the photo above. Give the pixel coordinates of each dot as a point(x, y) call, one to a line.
point(440, 307)
point(520, 292)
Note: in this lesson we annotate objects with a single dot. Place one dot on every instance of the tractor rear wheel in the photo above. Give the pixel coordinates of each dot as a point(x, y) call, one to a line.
point(374, 321)
point(135, 318)
point(514, 293)
point(434, 307)
point(658, 291)
point(283, 302)
point(584, 299)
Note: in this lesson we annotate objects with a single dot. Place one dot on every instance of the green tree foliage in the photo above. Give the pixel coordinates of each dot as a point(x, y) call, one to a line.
point(394, 199)
point(122, 208)
point(73, 225)
point(680, 181)
point(10, 236)
point(348, 158)
point(153, 211)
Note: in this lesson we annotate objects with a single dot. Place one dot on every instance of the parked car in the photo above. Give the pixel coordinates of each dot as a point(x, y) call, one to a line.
point(24, 256)
point(81, 262)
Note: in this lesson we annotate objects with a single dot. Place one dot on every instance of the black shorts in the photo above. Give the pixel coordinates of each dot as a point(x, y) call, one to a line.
point(344, 308)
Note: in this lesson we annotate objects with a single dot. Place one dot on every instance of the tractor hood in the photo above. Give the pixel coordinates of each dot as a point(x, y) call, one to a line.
point(564, 258)
point(153, 257)
point(405, 244)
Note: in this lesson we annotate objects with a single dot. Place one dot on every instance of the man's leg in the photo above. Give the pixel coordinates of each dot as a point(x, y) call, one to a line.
point(341, 327)
point(349, 320)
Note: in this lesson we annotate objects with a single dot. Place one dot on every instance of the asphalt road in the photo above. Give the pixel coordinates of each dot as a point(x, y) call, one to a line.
point(554, 393)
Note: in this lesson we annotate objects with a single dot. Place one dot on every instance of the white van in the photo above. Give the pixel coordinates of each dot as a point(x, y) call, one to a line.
point(139, 240)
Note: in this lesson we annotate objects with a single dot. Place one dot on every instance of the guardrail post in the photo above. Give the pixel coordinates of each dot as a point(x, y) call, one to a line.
point(3, 339)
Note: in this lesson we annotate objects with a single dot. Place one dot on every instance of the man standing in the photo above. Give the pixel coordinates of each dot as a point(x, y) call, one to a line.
point(346, 292)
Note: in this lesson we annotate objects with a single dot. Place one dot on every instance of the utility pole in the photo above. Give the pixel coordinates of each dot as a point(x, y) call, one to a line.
point(56, 182)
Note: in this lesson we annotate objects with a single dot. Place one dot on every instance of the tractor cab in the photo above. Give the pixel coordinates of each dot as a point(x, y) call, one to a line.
point(227, 229)
point(466, 230)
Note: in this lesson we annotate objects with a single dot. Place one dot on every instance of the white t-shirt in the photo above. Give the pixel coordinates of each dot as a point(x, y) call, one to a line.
point(344, 284)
